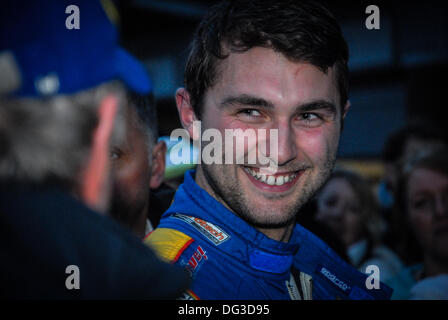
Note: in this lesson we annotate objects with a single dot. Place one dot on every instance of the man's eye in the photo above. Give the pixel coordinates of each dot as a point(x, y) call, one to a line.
point(310, 119)
point(250, 112)
point(310, 116)
point(115, 154)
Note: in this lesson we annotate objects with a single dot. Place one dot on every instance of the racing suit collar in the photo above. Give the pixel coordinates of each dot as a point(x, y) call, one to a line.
point(265, 254)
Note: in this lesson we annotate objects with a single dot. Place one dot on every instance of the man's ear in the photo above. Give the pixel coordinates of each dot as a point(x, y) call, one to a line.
point(95, 189)
point(186, 112)
point(158, 165)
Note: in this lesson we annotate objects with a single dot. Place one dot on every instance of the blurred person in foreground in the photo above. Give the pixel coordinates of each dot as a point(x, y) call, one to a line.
point(261, 64)
point(348, 206)
point(138, 165)
point(56, 122)
point(422, 194)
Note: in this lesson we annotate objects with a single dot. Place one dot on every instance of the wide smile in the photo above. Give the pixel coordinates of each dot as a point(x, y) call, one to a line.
point(278, 182)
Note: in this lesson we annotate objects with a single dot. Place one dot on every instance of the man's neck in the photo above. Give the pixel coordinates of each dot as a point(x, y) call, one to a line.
point(201, 181)
point(278, 234)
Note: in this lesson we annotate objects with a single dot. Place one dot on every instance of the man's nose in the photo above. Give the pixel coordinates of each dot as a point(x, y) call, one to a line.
point(287, 149)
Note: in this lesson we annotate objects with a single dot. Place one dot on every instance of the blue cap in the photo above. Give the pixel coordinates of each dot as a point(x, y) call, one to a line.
point(54, 57)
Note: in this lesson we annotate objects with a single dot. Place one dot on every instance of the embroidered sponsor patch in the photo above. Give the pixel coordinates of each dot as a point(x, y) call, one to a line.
point(196, 259)
point(214, 233)
point(334, 279)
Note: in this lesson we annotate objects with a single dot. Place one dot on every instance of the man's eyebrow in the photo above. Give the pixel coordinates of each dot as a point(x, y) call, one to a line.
point(246, 100)
point(252, 101)
point(317, 105)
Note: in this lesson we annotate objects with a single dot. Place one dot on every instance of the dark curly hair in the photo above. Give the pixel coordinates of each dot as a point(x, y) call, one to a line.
point(301, 30)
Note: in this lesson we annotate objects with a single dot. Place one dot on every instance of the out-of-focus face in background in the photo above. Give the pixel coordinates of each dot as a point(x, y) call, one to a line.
point(427, 204)
point(339, 208)
point(131, 170)
point(412, 146)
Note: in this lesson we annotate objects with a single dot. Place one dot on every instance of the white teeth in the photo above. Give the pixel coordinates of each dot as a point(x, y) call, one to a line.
point(271, 180)
point(279, 181)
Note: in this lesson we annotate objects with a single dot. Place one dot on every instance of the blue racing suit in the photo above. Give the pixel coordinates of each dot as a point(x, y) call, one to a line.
point(229, 259)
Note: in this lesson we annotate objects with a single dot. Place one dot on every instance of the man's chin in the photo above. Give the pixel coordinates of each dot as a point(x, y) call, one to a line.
point(273, 224)
point(124, 213)
point(264, 215)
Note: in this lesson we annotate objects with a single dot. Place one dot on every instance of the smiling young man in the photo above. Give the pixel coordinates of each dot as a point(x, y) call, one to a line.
point(273, 65)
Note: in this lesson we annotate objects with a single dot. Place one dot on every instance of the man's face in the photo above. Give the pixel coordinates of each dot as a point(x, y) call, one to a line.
point(261, 89)
point(131, 172)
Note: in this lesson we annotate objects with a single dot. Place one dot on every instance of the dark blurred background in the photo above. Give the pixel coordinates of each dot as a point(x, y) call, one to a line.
point(398, 73)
